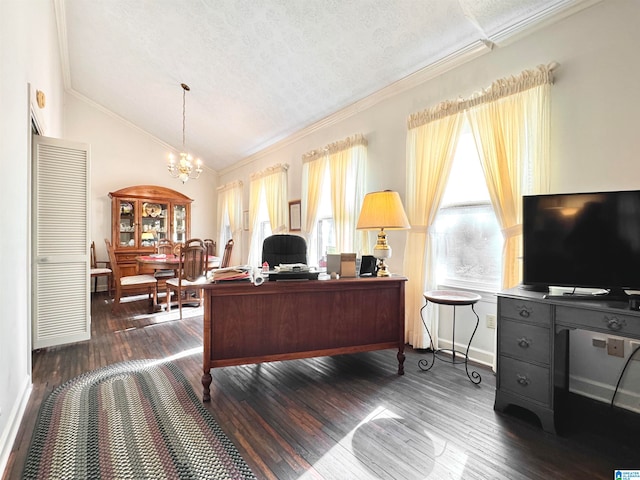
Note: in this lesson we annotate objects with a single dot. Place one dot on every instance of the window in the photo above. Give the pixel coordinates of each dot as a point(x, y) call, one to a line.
point(225, 234)
point(467, 236)
point(263, 224)
point(323, 237)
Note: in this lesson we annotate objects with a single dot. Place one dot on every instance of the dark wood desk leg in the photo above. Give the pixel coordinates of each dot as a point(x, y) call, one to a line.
point(206, 384)
point(401, 357)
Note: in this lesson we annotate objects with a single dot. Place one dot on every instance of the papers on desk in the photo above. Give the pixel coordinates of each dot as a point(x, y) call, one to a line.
point(230, 274)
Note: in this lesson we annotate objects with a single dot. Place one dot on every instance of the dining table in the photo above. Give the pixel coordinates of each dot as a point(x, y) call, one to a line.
point(166, 262)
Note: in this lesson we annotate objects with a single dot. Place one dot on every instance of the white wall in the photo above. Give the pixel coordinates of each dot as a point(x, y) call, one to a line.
point(28, 54)
point(594, 143)
point(122, 156)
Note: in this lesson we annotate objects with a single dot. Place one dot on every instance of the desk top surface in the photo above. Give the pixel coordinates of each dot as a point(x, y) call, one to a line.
point(595, 303)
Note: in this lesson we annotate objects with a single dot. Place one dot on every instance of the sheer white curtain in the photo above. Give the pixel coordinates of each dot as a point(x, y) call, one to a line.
point(347, 163)
point(270, 184)
point(510, 123)
point(431, 143)
point(314, 166)
point(230, 202)
point(511, 128)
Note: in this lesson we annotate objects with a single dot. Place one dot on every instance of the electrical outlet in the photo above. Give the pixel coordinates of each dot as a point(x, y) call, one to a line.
point(491, 321)
point(615, 347)
point(633, 345)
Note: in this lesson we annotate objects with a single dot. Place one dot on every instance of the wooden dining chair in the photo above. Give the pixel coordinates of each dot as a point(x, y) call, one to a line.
point(177, 246)
point(130, 284)
point(211, 246)
point(226, 256)
point(100, 271)
point(192, 274)
point(164, 247)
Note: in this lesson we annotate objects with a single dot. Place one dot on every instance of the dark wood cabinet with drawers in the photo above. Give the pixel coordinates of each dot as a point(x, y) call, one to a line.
point(533, 346)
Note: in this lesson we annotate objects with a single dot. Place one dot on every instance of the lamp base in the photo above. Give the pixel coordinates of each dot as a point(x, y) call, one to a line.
point(382, 269)
point(381, 251)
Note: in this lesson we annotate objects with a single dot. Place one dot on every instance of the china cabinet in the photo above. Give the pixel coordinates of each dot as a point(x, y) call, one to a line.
point(142, 215)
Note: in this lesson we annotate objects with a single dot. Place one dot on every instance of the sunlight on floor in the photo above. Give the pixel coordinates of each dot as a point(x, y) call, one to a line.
point(158, 318)
point(185, 353)
point(448, 461)
point(174, 314)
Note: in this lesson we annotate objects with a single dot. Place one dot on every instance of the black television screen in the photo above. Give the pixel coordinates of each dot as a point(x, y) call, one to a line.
point(582, 240)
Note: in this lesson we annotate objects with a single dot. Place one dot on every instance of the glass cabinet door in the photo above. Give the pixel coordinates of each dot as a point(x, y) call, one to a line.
point(179, 223)
point(127, 222)
point(153, 222)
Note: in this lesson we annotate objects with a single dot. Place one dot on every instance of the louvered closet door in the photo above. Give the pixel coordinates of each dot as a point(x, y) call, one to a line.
point(61, 297)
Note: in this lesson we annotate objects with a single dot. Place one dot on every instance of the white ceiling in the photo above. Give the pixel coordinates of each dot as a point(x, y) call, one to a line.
point(260, 70)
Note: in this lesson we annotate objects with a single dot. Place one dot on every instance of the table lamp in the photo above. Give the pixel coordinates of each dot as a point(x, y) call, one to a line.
point(382, 210)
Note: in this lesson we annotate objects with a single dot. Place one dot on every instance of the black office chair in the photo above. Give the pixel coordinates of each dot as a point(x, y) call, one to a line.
point(282, 248)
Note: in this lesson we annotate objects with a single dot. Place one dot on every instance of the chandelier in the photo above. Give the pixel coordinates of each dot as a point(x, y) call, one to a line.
point(184, 168)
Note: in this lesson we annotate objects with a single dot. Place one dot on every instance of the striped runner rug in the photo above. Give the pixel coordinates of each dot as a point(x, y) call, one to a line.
point(135, 420)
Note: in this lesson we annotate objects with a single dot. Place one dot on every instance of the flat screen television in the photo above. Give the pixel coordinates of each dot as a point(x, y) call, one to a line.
point(587, 240)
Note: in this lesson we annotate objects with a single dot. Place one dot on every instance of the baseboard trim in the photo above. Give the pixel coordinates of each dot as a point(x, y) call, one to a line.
point(603, 392)
point(476, 355)
point(15, 419)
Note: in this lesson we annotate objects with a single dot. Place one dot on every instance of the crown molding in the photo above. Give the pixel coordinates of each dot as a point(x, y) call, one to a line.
point(560, 10)
point(429, 72)
point(63, 45)
point(550, 15)
point(130, 125)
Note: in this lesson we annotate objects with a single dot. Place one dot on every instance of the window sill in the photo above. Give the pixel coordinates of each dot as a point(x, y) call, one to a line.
point(480, 289)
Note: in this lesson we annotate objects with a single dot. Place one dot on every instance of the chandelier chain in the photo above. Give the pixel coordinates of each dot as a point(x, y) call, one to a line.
point(184, 167)
point(185, 87)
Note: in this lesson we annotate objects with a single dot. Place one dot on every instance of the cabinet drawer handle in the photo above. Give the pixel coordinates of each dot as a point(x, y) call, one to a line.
point(523, 380)
point(524, 342)
point(524, 312)
point(614, 323)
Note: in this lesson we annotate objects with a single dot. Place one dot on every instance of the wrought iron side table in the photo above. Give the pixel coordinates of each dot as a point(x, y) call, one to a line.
point(456, 299)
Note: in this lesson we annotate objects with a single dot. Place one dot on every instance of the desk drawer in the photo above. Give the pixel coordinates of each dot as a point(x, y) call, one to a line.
point(526, 342)
point(525, 310)
point(613, 323)
point(524, 379)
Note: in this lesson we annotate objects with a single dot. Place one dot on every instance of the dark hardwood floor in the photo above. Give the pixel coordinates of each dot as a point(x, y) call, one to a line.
point(350, 416)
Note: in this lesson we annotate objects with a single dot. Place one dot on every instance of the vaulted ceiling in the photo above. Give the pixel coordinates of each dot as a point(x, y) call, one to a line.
point(261, 70)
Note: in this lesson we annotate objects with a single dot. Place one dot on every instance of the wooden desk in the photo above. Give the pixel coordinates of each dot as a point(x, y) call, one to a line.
point(288, 320)
point(533, 346)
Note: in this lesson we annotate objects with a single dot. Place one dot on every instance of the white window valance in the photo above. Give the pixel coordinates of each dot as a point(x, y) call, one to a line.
point(278, 168)
point(542, 74)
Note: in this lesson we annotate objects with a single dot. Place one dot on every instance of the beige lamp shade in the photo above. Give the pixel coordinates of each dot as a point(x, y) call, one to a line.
point(147, 236)
point(382, 210)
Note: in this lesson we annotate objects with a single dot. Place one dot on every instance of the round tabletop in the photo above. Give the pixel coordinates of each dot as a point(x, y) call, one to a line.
point(451, 297)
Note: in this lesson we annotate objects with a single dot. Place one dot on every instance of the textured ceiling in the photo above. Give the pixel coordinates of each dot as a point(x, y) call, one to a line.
point(260, 70)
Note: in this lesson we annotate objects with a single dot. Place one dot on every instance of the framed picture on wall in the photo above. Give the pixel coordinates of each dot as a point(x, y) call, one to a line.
point(295, 217)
